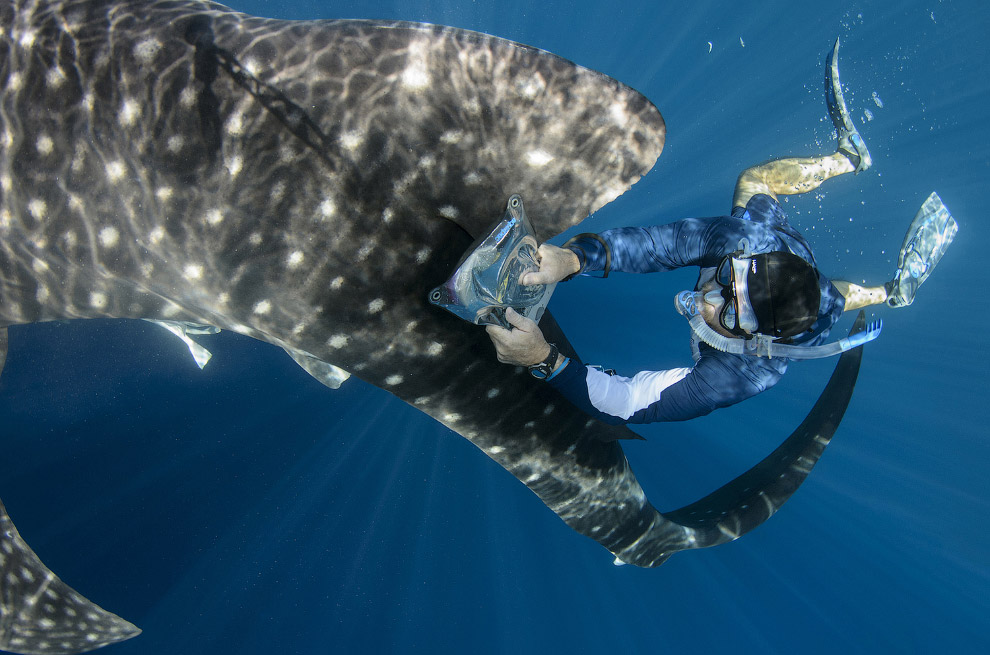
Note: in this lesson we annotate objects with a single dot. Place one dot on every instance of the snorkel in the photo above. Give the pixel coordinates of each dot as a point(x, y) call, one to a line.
point(688, 303)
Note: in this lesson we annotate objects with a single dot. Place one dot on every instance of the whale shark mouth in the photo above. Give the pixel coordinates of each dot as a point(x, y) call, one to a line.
point(307, 183)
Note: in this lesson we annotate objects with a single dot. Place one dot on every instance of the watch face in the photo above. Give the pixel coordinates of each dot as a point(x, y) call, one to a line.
point(541, 371)
point(544, 369)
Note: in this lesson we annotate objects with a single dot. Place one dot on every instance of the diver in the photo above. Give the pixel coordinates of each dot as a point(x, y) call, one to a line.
point(760, 299)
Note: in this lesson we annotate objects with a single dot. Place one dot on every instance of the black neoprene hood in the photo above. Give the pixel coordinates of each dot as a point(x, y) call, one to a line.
point(784, 292)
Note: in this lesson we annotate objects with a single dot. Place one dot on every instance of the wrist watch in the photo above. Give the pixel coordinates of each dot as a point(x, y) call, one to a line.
point(544, 369)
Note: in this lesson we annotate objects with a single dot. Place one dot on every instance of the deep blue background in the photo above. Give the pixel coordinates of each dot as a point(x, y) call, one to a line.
point(246, 509)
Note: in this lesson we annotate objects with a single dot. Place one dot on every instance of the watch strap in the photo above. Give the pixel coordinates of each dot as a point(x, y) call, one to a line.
point(544, 369)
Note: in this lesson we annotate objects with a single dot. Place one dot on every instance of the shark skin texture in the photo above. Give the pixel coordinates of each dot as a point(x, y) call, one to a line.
point(306, 183)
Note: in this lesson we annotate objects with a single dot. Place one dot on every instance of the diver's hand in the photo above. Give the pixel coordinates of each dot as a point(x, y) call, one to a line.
point(555, 264)
point(523, 345)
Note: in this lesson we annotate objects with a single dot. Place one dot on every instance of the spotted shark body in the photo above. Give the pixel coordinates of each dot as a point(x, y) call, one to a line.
point(307, 183)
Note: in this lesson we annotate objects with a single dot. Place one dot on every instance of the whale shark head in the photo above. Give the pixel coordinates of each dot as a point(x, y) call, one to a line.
point(307, 183)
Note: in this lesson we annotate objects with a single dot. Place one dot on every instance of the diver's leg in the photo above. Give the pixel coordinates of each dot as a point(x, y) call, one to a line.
point(800, 175)
point(858, 296)
point(789, 176)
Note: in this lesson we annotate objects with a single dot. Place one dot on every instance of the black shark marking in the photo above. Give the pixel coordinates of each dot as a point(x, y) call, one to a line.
point(306, 183)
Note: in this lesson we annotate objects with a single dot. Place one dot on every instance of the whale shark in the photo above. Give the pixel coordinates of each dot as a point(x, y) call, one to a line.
point(307, 183)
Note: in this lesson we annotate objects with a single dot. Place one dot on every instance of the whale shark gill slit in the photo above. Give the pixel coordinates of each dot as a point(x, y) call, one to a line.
point(306, 183)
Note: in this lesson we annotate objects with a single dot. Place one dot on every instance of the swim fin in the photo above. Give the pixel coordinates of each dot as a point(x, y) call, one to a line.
point(851, 144)
point(927, 239)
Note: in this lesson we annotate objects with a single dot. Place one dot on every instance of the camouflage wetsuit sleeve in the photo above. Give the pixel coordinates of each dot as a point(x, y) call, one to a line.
point(689, 242)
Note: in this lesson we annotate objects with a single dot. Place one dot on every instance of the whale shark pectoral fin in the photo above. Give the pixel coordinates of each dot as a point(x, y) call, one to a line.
point(41, 615)
point(753, 497)
point(3, 348)
point(328, 374)
point(182, 330)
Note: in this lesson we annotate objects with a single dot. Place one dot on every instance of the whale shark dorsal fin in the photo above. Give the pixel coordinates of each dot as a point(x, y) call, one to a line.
point(52, 618)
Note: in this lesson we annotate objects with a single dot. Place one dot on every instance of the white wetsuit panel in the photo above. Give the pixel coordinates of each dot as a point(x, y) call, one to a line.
point(623, 397)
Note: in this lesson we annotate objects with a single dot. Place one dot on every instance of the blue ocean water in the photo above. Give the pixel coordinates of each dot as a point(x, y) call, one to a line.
point(247, 509)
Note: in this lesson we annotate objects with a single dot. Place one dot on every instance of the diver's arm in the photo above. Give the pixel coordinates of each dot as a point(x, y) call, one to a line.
point(572, 383)
point(647, 397)
point(623, 397)
point(613, 399)
point(688, 242)
point(717, 380)
point(857, 296)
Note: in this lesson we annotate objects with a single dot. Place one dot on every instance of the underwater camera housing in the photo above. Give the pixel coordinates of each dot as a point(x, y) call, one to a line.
point(486, 280)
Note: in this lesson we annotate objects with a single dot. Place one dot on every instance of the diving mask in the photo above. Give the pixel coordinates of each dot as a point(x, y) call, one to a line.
point(688, 305)
point(736, 314)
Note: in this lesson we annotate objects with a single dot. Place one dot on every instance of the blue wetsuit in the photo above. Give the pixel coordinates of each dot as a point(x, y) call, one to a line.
point(717, 379)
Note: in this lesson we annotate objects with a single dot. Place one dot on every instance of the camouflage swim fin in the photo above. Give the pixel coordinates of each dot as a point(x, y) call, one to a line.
point(927, 239)
point(851, 144)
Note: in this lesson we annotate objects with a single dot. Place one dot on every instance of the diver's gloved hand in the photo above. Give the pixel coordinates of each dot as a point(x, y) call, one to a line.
point(555, 264)
point(523, 345)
